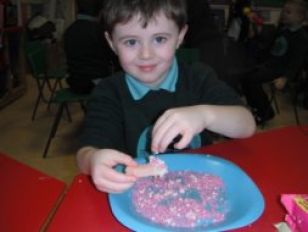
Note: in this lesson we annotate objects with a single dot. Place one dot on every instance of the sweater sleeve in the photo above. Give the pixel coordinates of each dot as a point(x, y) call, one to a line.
point(103, 123)
point(213, 90)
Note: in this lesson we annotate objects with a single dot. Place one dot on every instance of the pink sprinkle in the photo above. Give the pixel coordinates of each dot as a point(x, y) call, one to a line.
point(183, 199)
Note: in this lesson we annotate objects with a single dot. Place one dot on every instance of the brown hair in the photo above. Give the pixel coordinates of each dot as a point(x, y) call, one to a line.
point(121, 11)
point(302, 7)
point(89, 7)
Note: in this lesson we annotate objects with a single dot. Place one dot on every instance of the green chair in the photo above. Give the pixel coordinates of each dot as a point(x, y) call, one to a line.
point(50, 80)
point(63, 97)
point(36, 54)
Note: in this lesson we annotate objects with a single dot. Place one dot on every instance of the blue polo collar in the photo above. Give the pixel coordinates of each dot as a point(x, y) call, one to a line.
point(138, 90)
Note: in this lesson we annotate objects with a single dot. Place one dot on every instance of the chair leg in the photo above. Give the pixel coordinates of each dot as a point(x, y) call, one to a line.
point(273, 98)
point(41, 87)
point(296, 115)
point(276, 105)
point(37, 102)
point(53, 90)
point(54, 128)
point(69, 117)
point(40, 97)
point(295, 100)
point(83, 107)
point(49, 85)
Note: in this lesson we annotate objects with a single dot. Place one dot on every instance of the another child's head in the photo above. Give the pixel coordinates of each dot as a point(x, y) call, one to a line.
point(89, 7)
point(145, 35)
point(294, 12)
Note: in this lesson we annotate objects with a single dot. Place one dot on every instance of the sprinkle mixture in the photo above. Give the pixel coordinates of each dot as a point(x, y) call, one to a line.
point(159, 165)
point(182, 199)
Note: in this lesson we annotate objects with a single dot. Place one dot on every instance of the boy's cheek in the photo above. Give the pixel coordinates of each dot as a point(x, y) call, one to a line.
point(125, 58)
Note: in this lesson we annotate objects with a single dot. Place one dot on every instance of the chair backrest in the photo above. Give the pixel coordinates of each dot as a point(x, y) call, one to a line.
point(36, 55)
point(188, 55)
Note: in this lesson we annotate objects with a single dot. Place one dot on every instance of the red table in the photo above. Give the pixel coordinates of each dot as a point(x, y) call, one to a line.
point(27, 196)
point(276, 160)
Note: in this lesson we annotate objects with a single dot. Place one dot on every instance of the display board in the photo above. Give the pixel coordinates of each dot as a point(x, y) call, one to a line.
point(269, 3)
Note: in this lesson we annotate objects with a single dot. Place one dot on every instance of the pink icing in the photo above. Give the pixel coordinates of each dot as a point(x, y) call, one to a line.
point(183, 199)
point(159, 164)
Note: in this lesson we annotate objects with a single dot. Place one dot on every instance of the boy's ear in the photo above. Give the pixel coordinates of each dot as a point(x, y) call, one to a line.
point(109, 40)
point(182, 35)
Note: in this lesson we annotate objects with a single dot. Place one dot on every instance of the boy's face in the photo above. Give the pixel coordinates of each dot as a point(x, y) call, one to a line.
point(146, 53)
point(291, 15)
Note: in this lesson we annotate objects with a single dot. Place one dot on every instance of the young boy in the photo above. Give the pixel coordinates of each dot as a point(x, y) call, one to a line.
point(157, 101)
point(287, 55)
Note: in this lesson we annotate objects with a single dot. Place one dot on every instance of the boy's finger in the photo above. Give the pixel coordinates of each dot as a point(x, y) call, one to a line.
point(169, 138)
point(116, 187)
point(184, 141)
point(113, 175)
point(123, 159)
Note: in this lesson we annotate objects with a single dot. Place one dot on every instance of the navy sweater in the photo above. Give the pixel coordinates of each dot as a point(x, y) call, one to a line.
point(115, 120)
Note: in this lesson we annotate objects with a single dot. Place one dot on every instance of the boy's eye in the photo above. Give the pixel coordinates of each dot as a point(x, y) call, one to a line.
point(160, 39)
point(130, 42)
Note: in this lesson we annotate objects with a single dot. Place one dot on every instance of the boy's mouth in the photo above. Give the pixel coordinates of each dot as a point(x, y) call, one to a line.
point(146, 68)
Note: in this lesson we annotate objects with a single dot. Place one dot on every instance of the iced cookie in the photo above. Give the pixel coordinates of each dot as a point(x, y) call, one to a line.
point(156, 167)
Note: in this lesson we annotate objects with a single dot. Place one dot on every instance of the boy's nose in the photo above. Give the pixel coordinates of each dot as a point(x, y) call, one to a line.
point(146, 52)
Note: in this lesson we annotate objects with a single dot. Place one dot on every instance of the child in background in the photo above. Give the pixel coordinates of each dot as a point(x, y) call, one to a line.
point(88, 55)
point(286, 58)
point(156, 101)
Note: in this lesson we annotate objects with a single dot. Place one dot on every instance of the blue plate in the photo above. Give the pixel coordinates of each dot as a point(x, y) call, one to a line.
point(244, 198)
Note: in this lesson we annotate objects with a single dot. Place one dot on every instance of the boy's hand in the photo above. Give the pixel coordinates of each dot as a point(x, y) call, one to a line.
point(104, 176)
point(184, 121)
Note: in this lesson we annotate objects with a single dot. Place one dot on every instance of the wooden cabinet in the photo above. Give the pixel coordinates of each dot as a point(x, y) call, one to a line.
point(12, 76)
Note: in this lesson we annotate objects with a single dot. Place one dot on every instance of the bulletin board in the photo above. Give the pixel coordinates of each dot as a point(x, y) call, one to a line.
point(269, 3)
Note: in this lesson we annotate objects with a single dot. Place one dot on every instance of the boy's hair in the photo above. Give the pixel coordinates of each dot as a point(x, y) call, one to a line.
point(301, 5)
point(121, 11)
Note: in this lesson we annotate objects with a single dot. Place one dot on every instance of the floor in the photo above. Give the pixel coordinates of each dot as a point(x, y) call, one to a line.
point(24, 140)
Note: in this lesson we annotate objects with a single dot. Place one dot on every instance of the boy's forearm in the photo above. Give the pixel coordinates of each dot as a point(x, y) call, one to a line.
point(83, 159)
point(231, 121)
